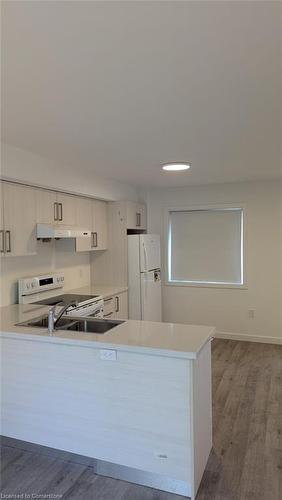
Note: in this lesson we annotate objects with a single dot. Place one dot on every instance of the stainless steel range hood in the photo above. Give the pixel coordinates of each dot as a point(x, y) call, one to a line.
point(50, 231)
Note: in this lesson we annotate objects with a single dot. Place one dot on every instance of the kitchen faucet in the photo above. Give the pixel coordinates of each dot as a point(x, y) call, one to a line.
point(53, 318)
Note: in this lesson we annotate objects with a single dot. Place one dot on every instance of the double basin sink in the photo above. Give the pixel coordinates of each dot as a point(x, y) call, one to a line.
point(74, 324)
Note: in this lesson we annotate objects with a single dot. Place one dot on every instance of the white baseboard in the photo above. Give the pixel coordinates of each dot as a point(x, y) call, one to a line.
point(248, 338)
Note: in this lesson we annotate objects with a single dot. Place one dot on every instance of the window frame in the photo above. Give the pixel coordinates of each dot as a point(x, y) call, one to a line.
point(190, 208)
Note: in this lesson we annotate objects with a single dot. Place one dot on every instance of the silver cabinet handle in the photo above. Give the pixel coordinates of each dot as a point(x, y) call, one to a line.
point(109, 315)
point(2, 248)
point(60, 211)
point(55, 210)
point(108, 300)
point(95, 239)
point(138, 219)
point(117, 304)
point(8, 241)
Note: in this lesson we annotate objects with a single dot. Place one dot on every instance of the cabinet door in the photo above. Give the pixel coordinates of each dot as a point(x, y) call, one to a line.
point(121, 305)
point(46, 206)
point(2, 234)
point(142, 218)
point(135, 215)
point(84, 219)
point(100, 226)
point(131, 215)
point(109, 308)
point(66, 209)
point(19, 219)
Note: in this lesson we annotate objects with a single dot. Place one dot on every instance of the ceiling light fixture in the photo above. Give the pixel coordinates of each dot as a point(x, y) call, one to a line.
point(175, 167)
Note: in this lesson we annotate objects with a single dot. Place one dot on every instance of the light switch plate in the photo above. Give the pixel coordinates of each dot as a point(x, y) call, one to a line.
point(108, 354)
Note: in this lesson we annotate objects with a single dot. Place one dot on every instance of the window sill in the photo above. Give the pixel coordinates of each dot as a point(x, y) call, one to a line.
point(207, 285)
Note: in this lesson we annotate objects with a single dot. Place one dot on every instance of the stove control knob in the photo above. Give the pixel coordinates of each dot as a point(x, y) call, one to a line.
point(28, 285)
point(33, 285)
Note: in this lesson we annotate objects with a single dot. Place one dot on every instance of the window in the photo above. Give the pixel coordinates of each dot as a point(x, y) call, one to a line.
point(205, 246)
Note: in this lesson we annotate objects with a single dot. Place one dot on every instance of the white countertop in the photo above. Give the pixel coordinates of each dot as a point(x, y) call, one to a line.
point(104, 290)
point(161, 339)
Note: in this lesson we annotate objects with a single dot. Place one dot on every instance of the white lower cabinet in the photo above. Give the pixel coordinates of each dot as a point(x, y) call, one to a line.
point(116, 307)
point(121, 305)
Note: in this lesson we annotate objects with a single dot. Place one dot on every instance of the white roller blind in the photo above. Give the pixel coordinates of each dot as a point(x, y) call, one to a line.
point(205, 246)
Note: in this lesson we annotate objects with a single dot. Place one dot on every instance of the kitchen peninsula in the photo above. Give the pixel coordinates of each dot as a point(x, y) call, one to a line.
point(137, 399)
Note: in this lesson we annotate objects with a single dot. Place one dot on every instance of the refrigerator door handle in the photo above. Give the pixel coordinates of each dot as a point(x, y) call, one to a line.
point(145, 257)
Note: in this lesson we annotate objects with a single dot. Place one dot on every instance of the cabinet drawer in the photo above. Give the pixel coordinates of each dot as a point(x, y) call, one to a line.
point(109, 306)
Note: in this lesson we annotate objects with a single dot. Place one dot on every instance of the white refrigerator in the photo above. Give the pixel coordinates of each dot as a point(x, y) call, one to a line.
point(144, 277)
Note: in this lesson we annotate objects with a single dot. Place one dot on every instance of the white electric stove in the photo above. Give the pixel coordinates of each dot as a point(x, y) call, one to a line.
point(44, 290)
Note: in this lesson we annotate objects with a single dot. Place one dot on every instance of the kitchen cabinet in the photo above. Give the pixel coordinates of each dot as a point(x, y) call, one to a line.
point(116, 307)
point(18, 220)
point(66, 209)
point(22, 207)
point(46, 207)
point(52, 207)
point(121, 305)
point(2, 231)
point(84, 218)
point(100, 227)
point(92, 214)
point(135, 215)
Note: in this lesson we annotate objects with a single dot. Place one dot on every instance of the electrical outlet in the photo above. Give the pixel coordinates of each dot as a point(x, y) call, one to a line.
point(251, 314)
point(160, 455)
point(108, 355)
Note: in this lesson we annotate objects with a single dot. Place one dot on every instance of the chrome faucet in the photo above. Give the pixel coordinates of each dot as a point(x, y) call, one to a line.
point(53, 318)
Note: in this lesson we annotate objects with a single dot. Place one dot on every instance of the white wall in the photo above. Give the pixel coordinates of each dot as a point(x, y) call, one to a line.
point(24, 166)
point(227, 309)
point(20, 165)
point(51, 257)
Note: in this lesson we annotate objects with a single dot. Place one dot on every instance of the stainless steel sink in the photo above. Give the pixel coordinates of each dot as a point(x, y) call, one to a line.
point(42, 322)
point(92, 325)
point(75, 324)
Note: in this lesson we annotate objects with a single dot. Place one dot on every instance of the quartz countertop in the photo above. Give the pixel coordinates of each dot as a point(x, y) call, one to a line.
point(104, 290)
point(156, 338)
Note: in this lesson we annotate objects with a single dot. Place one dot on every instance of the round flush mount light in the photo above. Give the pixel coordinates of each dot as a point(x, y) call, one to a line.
point(175, 167)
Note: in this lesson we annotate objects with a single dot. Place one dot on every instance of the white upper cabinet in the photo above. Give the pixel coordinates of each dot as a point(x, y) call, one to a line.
point(100, 226)
point(18, 228)
point(61, 208)
point(92, 214)
point(22, 207)
point(135, 215)
point(84, 219)
point(66, 209)
point(2, 231)
point(58, 208)
point(46, 206)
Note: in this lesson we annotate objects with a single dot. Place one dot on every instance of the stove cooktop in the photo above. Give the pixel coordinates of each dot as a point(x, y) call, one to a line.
point(66, 299)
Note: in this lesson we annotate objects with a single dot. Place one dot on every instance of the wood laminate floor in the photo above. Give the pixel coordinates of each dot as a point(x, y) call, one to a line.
point(246, 461)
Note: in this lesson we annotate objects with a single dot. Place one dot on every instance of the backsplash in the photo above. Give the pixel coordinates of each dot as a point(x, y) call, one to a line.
point(51, 257)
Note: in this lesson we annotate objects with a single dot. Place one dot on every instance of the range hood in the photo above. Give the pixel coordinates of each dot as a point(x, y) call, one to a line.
point(49, 231)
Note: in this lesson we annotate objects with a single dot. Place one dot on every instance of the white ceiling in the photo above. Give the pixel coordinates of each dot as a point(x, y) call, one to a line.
point(121, 87)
